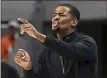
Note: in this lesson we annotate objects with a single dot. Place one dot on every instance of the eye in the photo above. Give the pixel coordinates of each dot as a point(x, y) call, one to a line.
point(54, 15)
point(62, 15)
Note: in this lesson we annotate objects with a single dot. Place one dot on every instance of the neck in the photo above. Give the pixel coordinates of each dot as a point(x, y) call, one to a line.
point(60, 35)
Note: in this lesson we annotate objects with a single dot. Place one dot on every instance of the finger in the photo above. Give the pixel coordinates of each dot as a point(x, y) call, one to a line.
point(20, 53)
point(21, 30)
point(26, 26)
point(23, 58)
point(27, 30)
point(18, 57)
point(17, 60)
point(23, 27)
point(22, 50)
point(25, 53)
point(23, 20)
point(17, 54)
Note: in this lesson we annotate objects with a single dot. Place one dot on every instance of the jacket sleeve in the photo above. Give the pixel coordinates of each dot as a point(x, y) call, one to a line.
point(85, 49)
point(31, 74)
point(38, 73)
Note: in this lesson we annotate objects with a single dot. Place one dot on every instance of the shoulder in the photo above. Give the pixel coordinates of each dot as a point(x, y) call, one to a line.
point(4, 39)
point(11, 71)
point(7, 67)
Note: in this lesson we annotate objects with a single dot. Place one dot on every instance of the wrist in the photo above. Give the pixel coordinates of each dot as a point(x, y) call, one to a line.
point(29, 67)
point(40, 37)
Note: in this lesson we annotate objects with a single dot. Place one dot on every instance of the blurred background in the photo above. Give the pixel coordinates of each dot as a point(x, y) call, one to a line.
point(93, 22)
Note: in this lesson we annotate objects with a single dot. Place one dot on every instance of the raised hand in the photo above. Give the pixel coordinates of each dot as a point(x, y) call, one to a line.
point(28, 28)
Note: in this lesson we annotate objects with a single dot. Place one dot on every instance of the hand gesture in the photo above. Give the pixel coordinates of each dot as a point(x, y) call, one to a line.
point(28, 28)
point(22, 59)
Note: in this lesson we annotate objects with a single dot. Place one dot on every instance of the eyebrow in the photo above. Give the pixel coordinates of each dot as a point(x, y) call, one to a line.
point(58, 13)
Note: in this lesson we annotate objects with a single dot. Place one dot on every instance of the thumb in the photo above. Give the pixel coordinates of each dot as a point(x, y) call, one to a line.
point(23, 58)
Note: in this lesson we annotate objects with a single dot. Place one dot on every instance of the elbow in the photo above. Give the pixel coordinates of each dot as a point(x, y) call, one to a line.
point(87, 55)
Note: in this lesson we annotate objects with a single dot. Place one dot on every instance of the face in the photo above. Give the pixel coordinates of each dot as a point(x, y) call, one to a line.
point(12, 30)
point(62, 19)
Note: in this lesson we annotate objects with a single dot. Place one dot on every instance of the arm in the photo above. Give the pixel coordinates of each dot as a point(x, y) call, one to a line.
point(82, 50)
point(85, 49)
point(4, 51)
point(38, 73)
point(30, 74)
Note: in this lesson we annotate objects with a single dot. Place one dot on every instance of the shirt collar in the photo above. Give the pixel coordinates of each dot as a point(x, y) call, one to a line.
point(69, 36)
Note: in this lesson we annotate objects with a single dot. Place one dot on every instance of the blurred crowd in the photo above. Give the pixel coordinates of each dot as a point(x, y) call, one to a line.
point(10, 43)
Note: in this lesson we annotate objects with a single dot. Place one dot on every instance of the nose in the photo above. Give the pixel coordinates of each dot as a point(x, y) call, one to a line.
point(56, 18)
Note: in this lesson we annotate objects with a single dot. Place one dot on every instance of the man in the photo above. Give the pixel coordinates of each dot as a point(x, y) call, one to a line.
point(70, 55)
point(8, 41)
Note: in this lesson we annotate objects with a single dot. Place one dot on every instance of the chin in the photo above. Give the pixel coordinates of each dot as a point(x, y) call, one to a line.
point(55, 30)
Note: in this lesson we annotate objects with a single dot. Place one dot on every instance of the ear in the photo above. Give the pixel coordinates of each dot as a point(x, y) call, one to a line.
point(74, 22)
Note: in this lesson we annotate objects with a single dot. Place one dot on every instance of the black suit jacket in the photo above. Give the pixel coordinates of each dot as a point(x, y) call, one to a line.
point(73, 57)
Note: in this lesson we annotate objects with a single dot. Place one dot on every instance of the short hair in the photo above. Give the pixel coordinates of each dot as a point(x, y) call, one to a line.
point(73, 10)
